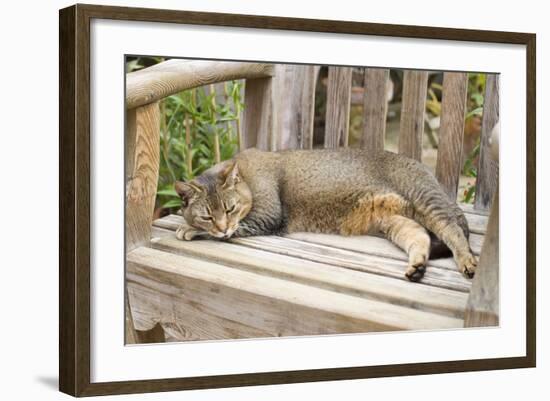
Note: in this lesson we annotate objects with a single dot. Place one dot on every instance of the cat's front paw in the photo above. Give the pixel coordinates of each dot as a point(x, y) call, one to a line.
point(467, 264)
point(186, 233)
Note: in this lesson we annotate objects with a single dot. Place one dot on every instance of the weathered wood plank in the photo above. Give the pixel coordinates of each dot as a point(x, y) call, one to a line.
point(142, 173)
point(130, 335)
point(322, 275)
point(258, 114)
point(469, 208)
point(279, 307)
point(363, 262)
point(451, 133)
point(130, 144)
point(375, 108)
point(294, 101)
point(483, 303)
point(338, 106)
point(476, 222)
point(487, 172)
point(181, 321)
point(411, 130)
point(368, 254)
point(377, 246)
point(157, 232)
point(151, 334)
point(164, 79)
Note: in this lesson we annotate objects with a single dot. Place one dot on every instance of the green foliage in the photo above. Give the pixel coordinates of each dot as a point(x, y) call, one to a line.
point(211, 132)
point(137, 63)
point(470, 170)
point(476, 91)
point(433, 104)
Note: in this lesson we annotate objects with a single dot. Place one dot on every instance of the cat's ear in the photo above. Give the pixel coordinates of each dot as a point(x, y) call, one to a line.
point(231, 175)
point(186, 191)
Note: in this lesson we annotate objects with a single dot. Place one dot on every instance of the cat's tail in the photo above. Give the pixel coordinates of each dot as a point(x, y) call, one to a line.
point(438, 249)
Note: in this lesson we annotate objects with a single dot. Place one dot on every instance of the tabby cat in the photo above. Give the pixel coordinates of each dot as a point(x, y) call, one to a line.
point(344, 191)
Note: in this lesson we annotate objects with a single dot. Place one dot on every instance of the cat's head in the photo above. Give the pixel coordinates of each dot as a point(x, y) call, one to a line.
point(216, 201)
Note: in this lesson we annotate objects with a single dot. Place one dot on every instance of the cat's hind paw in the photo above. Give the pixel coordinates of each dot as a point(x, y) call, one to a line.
point(415, 272)
point(467, 264)
point(417, 266)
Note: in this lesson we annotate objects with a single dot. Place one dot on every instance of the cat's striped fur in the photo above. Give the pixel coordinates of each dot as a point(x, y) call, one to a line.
point(345, 191)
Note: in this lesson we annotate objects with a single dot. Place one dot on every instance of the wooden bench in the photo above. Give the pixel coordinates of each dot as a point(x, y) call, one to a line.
point(303, 283)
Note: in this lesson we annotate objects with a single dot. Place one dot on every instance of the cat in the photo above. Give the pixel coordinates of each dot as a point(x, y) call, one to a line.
point(345, 191)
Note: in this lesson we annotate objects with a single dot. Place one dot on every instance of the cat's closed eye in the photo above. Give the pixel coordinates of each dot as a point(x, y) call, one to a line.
point(205, 218)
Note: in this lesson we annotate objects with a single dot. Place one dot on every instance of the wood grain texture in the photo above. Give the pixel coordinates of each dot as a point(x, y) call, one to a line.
point(258, 114)
point(141, 187)
point(381, 247)
point(169, 77)
point(375, 108)
point(130, 130)
point(338, 106)
point(322, 250)
point(411, 129)
point(487, 171)
point(361, 253)
point(130, 335)
point(477, 223)
point(154, 334)
point(451, 132)
point(303, 24)
point(182, 322)
point(294, 102)
point(276, 306)
point(483, 303)
point(264, 257)
point(469, 208)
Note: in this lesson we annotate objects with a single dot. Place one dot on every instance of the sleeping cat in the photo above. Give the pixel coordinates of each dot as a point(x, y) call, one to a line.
point(344, 191)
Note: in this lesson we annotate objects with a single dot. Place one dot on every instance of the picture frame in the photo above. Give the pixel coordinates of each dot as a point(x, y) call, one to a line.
point(76, 204)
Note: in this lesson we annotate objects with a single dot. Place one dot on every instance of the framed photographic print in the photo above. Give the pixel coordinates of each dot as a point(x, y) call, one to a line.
point(251, 200)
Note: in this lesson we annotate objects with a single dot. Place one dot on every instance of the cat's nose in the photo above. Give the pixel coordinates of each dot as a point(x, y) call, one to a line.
point(221, 225)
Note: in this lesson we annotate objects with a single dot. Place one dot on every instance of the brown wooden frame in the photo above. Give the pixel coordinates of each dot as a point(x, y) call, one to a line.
point(74, 199)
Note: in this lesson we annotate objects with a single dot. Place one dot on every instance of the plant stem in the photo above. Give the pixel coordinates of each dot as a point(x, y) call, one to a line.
point(166, 138)
point(226, 98)
point(238, 126)
point(217, 157)
point(188, 148)
point(217, 148)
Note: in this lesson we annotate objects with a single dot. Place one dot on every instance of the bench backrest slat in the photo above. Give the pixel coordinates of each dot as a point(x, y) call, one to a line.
point(375, 108)
point(487, 172)
point(413, 105)
point(294, 104)
point(258, 114)
point(338, 106)
point(451, 132)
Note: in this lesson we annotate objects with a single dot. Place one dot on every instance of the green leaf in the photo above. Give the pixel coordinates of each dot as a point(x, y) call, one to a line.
point(469, 194)
point(172, 203)
point(478, 111)
point(168, 192)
